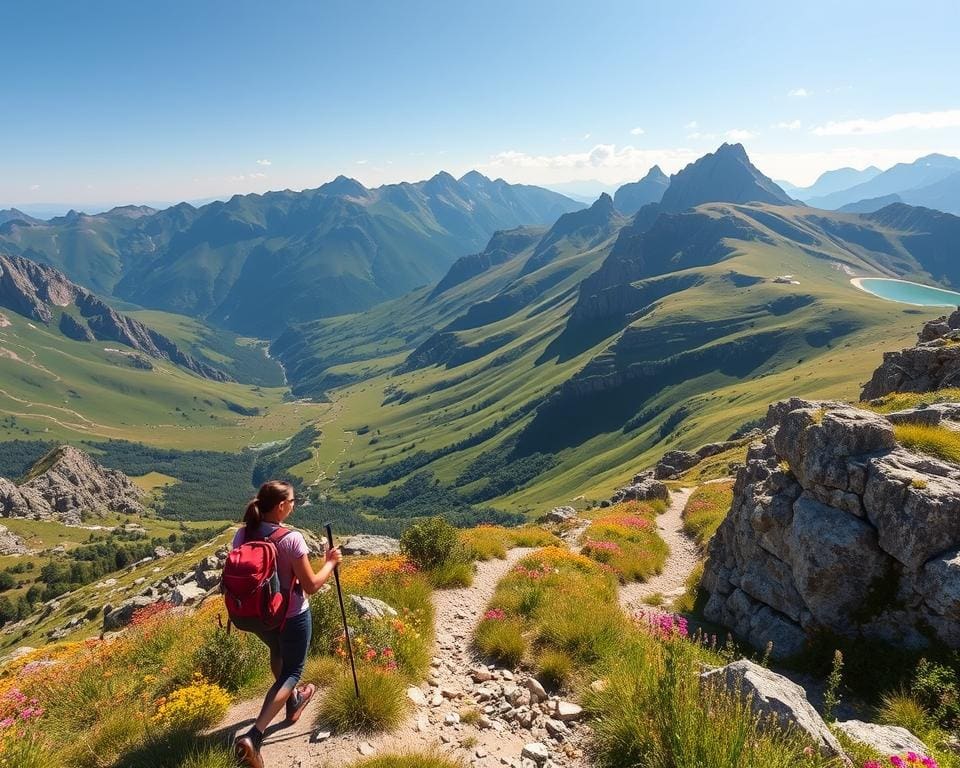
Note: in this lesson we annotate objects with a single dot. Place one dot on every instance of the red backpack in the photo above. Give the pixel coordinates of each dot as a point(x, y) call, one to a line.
point(251, 584)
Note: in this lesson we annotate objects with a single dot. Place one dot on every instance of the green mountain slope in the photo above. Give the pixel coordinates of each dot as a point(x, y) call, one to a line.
point(258, 263)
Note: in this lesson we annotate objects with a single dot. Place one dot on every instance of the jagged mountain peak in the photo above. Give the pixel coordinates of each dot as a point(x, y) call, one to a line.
point(475, 179)
point(343, 186)
point(631, 197)
point(726, 176)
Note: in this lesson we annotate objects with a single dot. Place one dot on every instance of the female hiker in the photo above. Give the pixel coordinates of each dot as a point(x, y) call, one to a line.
point(285, 623)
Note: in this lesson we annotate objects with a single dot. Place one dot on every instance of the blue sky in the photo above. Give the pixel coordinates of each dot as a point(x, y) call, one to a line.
point(127, 101)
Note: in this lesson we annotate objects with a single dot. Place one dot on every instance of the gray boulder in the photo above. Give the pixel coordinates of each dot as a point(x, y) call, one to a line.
point(558, 515)
point(11, 544)
point(370, 545)
point(673, 463)
point(116, 618)
point(371, 607)
point(775, 698)
point(645, 490)
point(187, 594)
point(885, 739)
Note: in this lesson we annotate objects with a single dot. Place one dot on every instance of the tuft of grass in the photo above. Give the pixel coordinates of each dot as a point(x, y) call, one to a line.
point(485, 542)
point(940, 442)
point(501, 640)
point(409, 760)
point(380, 707)
point(687, 602)
point(656, 599)
point(453, 574)
point(531, 536)
point(706, 508)
point(900, 401)
point(919, 483)
point(900, 708)
point(554, 668)
point(625, 540)
point(470, 715)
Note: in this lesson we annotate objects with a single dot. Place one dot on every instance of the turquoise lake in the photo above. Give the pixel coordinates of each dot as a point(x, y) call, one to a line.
point(909, 293)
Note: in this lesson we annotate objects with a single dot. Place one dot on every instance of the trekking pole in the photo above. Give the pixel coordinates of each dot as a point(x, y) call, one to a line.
point(343, 614)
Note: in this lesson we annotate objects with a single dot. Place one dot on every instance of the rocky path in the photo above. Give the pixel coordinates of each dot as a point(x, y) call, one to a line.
point(457, 682)
point(681, 561)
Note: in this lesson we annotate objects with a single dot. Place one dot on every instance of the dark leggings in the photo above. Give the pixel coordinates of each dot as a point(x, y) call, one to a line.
point(288, 650)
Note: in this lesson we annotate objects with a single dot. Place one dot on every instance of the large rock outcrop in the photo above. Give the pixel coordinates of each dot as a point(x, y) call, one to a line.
point(835, 527)
point(10, 543)
point(66, 484)
point(934, 363)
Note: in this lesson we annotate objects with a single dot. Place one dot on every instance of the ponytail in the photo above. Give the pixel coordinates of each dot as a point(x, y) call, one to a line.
point(268, 497)
point(251, 516)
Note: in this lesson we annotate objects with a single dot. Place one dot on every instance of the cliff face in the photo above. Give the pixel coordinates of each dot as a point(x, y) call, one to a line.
point(835, 527)
point(34, 290)
point(65, 484)
point(934, 363)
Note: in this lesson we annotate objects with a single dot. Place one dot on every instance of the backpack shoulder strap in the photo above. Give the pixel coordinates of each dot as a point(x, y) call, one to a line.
point(278, 535)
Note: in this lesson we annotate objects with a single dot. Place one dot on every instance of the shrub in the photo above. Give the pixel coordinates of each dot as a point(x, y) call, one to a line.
point(501, 639)
point(936, 687)
point(430, 543)
point(193, 707)
point(231, 660)
point(531, 536)
point(554, 668)
point(380, 707)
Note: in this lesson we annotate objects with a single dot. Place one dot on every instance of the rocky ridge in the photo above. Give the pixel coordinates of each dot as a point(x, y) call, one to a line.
point(835, 527)
point(65, 485)
point(35, 291)
point(932, 364)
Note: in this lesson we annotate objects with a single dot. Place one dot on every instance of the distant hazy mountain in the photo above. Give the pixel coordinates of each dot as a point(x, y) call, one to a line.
point(897, 180)
point(630, 198)
point(13, 214)
point(871, 205)
point(944, 195)
point(833, 181)
point(257, 263)
point(726, 175)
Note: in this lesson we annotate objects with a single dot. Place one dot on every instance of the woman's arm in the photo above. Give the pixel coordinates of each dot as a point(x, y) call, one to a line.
point(311, 581)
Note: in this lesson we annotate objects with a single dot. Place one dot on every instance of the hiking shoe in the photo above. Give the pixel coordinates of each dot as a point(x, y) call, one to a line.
point(246, 753)
point(306, 693)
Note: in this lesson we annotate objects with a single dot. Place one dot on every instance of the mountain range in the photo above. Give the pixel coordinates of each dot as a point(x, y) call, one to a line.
point(558, 359)
point(257, 263)
point(557, 353)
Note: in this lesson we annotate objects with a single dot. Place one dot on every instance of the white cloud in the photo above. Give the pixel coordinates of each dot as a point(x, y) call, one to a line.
point(258, 175)
point(691, 126)
point(604, 160)
point(793, 125)
point(800, 93)
point(586, 136)
point(264, 162)
point(739, 134)
point(637, 131)
point(362, 162)
point(34, 187)
point(901, 121)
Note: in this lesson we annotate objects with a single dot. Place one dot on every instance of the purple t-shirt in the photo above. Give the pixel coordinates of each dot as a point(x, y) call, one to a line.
point(290, 549)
